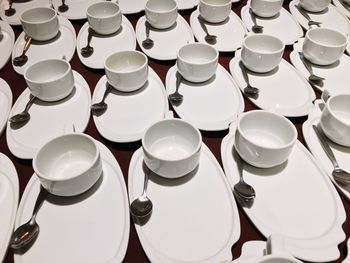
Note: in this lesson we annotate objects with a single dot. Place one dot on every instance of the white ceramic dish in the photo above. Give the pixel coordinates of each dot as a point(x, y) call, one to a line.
point(77, 8)
point(211, 105)
point(85, 231)
point(136, 6)
point(290, 98)
point(330, 18)
point(230, 33)
point(9, 195)
point(162, 50)
point(62, 45)
point(282, 26)
point(49, 119)
point(340, 5)
point(128, 114)
point(6, 43)
point(20, 6)
point(309, 218)
point(5, 103)
point(123, 39)
point(196, 233)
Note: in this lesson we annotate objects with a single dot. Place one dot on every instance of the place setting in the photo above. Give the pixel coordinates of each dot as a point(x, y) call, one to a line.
point(343, 6)
point(7, 40)
point(137, 6)
point(107, 31)
point(5, 103)
point(73, 9)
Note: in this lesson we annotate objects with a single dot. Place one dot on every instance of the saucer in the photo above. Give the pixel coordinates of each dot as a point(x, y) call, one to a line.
point(178, 35)
point(105, 45)
point(5, 103)
point(6, 43)
point(136, 6)
point(292, 98)
point(77, 8)
point(20, 7)
point(49, 119)
point(211, 105)
point(343, 8)
point(129, 113)
point(330, 18)
point(61, 45)
point(230, 33)
point(282, 25)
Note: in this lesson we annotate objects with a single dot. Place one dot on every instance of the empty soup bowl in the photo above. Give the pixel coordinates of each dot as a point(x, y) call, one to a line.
point(264, 139)
point(171, 148)
point(315, 5)
point(161, 14)
point(214, 11)
point(266, 8)
point(68, 165)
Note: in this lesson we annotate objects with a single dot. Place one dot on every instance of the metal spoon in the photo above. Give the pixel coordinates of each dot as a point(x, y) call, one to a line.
point(147, 43)
point(1, 34)
point(308, 18)
point(249, 90)
point(176, 98)
point(27, 232)
point(101, 107)
point(255, 28)
point(10, 11)
point(312, 77)
point(338, 174)
point(22, 59)
point(63, 7)
point(24, 116)
point(210, 39)
point(88, 50)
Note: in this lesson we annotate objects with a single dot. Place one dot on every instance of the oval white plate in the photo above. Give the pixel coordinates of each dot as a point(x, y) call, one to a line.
point(5, 103)
point(6, 43)
point(62, 45)
point(123, 39)
point(343, 8)
point(92, 227)
point(295, 199)
point(9, 194)
point(230, 33)
point(178, 35)
point(194, 218)
point(49, 119)
point(210, 105)
point(128, 114)
point(136, 6)
point(77, 8)
point(292, 98)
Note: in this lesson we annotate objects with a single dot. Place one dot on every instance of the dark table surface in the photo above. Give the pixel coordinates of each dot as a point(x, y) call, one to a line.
point(123, 152)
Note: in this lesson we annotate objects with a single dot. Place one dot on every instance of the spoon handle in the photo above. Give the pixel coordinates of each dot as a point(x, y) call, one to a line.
point(239, 163)
point(244, 73)
point(147, 30)
point(145, 182)
point(204, 27)
point(252, 15)
point(26, 44)
point(29, 103)
point(306, 64)
point(39, 201)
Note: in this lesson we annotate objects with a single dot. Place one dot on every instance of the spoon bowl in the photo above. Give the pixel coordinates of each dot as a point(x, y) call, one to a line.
point(176, 98)
point(24, 116)
point(88, 49)
point(101, 107)
point(63, 7)
point(147, 43)
point(341, 176)
point(22, 59)
point(10, 11)
point(209, 38)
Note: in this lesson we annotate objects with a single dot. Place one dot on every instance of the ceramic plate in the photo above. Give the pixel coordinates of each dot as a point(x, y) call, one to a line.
point(77, 8)
point(128, 114)
point(230, 33)
point(251, 252)
point(5, 103)
point(20, 7)
point(282, 25)
point(62, 45)
point(194, 218)
point(292, 98)
point(136, 6)
point(123, 39)
point(295, 199)
point(343, 8)
point(162, 50)
point(9, 194)
point(330, 18)
point(49, 119)
point(92, 227)
point(6, 43)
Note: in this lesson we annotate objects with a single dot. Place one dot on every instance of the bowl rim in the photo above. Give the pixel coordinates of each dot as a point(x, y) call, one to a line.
point(307, 36)
point(332, 111)
point(263, 52)
point(175, 8)
point(88, 13)
point(145, 64)
point(38, 22)
point(214, 60)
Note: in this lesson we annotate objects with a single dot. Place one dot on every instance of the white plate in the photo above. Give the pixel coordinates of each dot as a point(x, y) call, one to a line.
point(342, 8)
point(292, 98)
point(330, 18)
point(251, 252)
point(194, 218)
point(5, 103)
point(178, 35)
point(136, 6)
point(123, 39)
point(295, 199)
point(77, 8)
point(335, 75)
point(230, 33)
point(210, 105)
point(92, 227)
point(282, 25)
point(6, 43)
point(20, 7)
point(62, 45)
point(9, 194)
point(128, 114)
point(49, 119)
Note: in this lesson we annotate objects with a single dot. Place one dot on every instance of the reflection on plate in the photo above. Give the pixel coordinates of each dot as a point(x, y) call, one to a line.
point(49, 119)
point(77, 8)
point(62, 45)
point(5, 103)
point(230, 33)
point(295, 199)
point(178, 35)
point(292, 98)
point(92, 227)
point(129, 113)
point(343, 8)
point(136, 6)
point(187, 224)
point(105, 45)
point(6, 43)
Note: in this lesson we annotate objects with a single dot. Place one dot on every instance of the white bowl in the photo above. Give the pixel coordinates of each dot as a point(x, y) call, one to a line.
point(214, 11)
point(161, 14)
point(264, 139)
point(50, 80)
point(171, 148)
point(68, 165)
point(127, 70)
point(266, 8)
point(315, 5)
point(197, 62)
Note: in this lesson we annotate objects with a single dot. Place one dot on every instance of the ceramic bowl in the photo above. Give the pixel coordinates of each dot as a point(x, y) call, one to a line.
point(68, 165)
point(214, 11)
point(314, 5)
point(161, 14)
point(266, 8)
point(171, 148)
